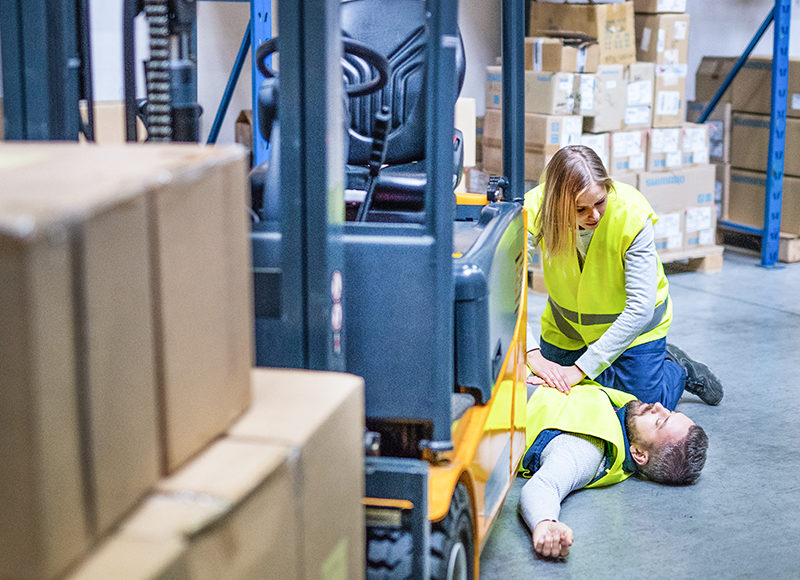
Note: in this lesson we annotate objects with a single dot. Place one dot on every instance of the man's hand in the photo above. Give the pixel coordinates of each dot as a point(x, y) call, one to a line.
point(552, 374)
point(552, 539)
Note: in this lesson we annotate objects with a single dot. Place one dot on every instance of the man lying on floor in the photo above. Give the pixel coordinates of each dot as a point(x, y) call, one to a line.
point(596, 436)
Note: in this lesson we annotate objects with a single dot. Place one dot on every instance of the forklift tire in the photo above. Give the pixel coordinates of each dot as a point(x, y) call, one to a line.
point(389, 554)
point(453, 542)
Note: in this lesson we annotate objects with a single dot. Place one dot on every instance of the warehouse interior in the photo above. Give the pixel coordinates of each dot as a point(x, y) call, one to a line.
point(204, 376)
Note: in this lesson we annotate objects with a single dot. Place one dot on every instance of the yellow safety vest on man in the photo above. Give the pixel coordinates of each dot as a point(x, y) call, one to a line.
point(583, 303)
point(589, 409)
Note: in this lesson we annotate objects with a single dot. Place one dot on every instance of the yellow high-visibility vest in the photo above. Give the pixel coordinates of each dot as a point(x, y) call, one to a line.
point(583, 304)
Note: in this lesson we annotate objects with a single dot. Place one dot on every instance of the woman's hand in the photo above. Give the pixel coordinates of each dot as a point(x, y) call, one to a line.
point(551, 374)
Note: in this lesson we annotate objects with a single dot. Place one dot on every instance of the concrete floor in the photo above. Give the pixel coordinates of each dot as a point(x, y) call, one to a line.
point(742, 518)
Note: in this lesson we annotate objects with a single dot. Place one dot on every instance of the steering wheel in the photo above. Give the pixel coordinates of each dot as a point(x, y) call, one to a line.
point(374, 59)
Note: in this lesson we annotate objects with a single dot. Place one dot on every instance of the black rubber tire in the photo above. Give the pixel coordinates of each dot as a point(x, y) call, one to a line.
point(453, 542)
point(388, 554)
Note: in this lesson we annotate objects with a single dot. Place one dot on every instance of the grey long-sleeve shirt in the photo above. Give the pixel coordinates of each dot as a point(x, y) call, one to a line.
point(641, 281)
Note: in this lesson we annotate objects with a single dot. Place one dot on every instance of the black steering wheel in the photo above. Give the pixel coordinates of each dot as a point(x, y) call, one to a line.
point(374, 59)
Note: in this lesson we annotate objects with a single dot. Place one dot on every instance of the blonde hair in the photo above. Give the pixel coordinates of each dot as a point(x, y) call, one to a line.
point(571, 171)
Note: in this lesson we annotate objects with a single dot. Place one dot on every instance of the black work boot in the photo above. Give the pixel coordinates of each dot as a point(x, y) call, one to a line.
point(700, 380)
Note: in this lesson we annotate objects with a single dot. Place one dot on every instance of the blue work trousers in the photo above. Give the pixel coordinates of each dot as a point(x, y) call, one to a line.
point(642, 371)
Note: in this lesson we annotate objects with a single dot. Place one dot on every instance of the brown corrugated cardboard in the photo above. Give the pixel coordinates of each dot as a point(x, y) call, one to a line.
point(600, 143)
point(131, 558)
point(566, 54)
point(547, 93)
point(678, 189)
point(611, 24)
point(722, 187)
point(747, 195)
point(719, 128)
point(628, 151)
point(662, 38)
point(752, 90)
point(750, 143)
point(601, 98)
point(326, 438)
point(670, 96)
point(233, 507)
point(639, 84)
point(535, 161)
point(542, 132)
point(654, 6)
point(711, 73)
point(109, 122)
point(631, 178)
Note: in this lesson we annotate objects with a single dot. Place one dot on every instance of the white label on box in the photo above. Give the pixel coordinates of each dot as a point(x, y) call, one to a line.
point(640, 93)
point(636, 161)
point(694, 138)
point(637, 115)
point(572, 130)
point(671, 6)
point(675, 242)
point(706, 237)
point(611, 85)
point(796, 100)
point(665, 140)
point(671, 56)
point(627, 143)
point(668, 224)
point(538, 43)
point(565, 84)
point(587, 93)
point(680, 30)
point(646, 32)
point(698, 218)
point(668, 102)
point(673, 159)
point(671, 70)
point(580, 60)
point(662, 34)
point(701, 157)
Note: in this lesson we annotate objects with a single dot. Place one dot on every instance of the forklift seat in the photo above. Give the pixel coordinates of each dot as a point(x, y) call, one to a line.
point(395, 29)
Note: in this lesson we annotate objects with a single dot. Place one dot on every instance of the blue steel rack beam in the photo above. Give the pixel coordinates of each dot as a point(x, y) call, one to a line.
point(780, 17)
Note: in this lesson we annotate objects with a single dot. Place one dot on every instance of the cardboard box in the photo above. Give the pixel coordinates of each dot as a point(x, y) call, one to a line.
point(630, 178)
point(668, 231)
point(670, 96)
point(700, 226)
point(132, 558)
point(628, 151)
point(326, 439)
point(722, 187)
point(719, 128)
point(543, 133)
point(601, 98)
point(662, 38)
point(535, 162)
point(747, 196)
point(752, 90)
point(600, 143)
point(694, 144)
point(678, 189)
point(465, 122)
point(750, 143)
point(564, 54)
point(109, 122)
point(233, 509)
point(639, 86)
point(611, 24)
point(658, 6)
point(547, 93)
point(711, 73)
point(664, 149)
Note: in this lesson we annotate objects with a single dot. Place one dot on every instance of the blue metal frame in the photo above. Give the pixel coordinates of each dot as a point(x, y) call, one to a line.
point(513, 17)
point(780, 17)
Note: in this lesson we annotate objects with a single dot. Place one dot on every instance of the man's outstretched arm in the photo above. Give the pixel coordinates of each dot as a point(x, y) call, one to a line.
point(568, 463)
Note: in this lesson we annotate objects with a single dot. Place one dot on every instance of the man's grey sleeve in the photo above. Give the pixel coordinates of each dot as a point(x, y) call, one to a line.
point(568, 462)
point(641, 284)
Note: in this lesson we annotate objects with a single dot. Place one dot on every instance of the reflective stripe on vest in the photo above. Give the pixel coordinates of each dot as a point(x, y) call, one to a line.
point(562, 315)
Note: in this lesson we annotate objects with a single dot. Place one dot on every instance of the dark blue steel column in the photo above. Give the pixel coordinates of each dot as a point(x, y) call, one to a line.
point(514, 97)
point(777, 139)
point(260, 30)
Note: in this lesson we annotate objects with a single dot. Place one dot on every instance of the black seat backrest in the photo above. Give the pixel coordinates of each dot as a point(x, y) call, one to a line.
point(396, 29)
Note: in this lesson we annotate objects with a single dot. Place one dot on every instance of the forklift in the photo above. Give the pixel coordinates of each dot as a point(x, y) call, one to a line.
point(366, 261)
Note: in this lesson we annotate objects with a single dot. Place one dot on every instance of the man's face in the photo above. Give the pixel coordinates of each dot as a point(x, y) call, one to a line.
point(650, 425)
point(591, 205)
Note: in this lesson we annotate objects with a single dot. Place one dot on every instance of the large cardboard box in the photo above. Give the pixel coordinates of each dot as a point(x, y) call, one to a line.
point(232, 508)
point(109, 122)
point(601, 98)
point(719, 128)
point(664, 149)
point(565, 54)
point(548, 93)
point(670, 95)
point(535, 162)
point(752, 90)
point(628, 151)
point(543, 133)
point(133, 558)
point(695, 144)
point(320, 416)
point(668, 231)
point(639, 89)
point(711, 73)
point(700, 226)
point(465, 122)
point(747, 196)
point(662, 38)
point(750, 143)
point(600, 143)
point(658, 6)
point(611, 24)
point(678, 189)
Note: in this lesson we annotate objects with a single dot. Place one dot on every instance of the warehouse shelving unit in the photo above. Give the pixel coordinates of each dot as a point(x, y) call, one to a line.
point(780, 17)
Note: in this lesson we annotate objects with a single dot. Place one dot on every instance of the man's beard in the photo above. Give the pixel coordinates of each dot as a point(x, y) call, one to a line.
point(633, 409)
